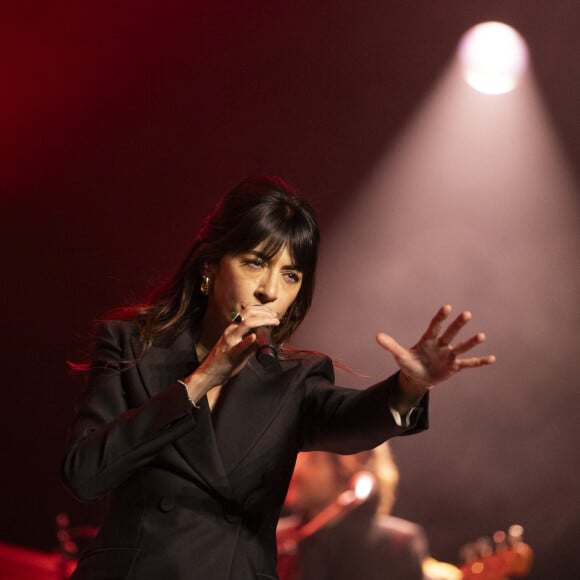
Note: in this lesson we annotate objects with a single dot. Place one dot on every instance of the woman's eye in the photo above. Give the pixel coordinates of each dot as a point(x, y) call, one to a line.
point(293, 277)
point(254, 262)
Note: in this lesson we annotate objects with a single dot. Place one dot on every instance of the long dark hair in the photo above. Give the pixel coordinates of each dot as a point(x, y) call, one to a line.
point(259, 209)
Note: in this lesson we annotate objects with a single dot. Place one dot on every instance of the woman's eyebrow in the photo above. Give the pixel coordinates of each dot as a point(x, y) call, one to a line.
point(258, 254)
point(266, 258)
point(291, 267)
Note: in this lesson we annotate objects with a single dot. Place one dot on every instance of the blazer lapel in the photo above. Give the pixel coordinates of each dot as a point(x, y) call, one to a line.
point(160, 368)
point(248, 405)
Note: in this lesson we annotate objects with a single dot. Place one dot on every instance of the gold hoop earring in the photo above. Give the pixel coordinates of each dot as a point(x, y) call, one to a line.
point(205, 285)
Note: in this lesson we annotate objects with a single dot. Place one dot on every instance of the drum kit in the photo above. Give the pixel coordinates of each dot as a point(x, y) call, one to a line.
point(18, 563)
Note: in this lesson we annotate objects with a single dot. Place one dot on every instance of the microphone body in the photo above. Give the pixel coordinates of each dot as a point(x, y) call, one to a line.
point(266, 352)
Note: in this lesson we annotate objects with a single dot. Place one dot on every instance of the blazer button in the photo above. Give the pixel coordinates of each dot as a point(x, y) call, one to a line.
point(232, 518)
point(231, 512)
point(166, 504)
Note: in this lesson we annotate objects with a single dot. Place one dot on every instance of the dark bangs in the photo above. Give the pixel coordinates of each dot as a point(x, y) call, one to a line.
point(258, 211)
point(282, 226)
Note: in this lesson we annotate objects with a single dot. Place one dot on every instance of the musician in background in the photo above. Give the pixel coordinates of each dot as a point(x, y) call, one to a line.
point(355, 539)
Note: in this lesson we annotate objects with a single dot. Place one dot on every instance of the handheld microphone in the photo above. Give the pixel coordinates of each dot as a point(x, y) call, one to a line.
point(266, 352)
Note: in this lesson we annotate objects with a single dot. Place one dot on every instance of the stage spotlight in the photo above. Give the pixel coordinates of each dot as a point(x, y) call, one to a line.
point(494, 57)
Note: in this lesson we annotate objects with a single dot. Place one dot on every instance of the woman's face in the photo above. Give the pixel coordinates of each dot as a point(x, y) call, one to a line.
point(247, 279)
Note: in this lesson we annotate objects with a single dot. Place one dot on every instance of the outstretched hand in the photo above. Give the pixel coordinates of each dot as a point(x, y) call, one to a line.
point(433, 359)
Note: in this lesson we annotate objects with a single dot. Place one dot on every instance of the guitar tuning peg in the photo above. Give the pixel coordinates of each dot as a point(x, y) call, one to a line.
point(516, 534)
point(484, 547)
point(468, 553)
point(500, 540)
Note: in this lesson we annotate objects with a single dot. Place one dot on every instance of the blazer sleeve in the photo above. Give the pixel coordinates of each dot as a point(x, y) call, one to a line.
point(108, 440)
point(345, 420)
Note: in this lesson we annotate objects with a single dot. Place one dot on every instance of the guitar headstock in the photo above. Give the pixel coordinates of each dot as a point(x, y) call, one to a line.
point(506, 555)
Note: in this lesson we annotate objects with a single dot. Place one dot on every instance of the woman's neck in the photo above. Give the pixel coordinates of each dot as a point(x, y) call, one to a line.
point(209, 332)
point(201, 351)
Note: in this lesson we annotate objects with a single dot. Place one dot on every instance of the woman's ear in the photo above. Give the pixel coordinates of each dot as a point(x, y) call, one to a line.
point(210, 268)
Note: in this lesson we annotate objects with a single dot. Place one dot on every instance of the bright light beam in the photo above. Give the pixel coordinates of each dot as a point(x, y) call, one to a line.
point(494, 57)
point(476, 206)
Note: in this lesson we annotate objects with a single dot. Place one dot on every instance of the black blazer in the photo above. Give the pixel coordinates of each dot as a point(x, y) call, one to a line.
point(194, 494)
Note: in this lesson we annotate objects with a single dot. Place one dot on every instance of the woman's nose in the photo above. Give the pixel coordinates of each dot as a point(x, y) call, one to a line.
point(267, 291)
